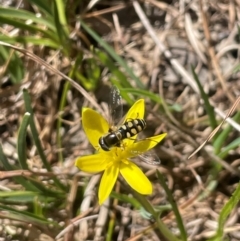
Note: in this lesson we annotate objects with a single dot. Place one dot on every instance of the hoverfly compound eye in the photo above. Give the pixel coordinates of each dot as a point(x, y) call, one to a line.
point(103, 144)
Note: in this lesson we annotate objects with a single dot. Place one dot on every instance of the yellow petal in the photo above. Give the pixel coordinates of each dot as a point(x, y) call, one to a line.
point(135, 177)
point(136, 111)
point(94, 126)
point(107, 182)
point(142, 146)
point(93, 163)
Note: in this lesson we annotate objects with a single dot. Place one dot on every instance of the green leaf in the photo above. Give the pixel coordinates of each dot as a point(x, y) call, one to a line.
point(8, 167)
point(44, 6)
point(126, 199)
point(93, 73)
point(59, 120)
point(4, 160)
point(159, 223)
point(222, 137)
point(209, 108)
point(226, 210)
point(23, 197)
point(174, 206)
point(231, 146)
point(108, 62)
point(113, 54)
point(14, 63)
point(45, 33)
point(143, 93)
point(25, 216)
point(61, 25)
point(21, 141)
point(30, 39)
point(20, 14)
point(36, 139)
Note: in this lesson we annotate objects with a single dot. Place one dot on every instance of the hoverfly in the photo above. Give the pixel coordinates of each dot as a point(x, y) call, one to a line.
point(117, 133)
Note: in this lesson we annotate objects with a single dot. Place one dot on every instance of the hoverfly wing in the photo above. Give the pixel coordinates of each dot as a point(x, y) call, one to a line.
point(115, 107)
point(149, 156)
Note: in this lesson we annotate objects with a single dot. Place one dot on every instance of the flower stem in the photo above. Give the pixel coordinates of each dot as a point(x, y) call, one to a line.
point(161, 226)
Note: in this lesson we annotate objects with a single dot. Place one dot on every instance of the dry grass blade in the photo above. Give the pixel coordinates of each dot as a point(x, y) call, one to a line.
point(163, 49)
point(102, 219)
point(212, 54)
point(197, 45)
point(108, 10)
point(75, 223)
point(218, 127)
point(86, 203)
point(50, 68)
point(26, 173)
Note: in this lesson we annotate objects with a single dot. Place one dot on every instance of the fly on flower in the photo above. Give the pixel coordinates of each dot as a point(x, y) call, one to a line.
point(129, 129)
point(118, 160)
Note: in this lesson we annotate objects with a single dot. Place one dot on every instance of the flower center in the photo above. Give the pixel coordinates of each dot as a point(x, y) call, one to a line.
point(119, 154)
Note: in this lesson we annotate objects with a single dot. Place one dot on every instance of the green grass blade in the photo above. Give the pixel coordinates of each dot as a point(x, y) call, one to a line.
point(108, 62)
point(60, 6)
point(59, 121)
point(61, 25)
point(143, 93)
point(165, 231)
point(126, 199)
point(28, 107)
point(36, 139)
point(174, 206)
point(44, 6)
point(231, 146)
point(148, 94)
point(90, 72)
point(21, 149)
point(112, 53)
point(21, 14)
point(23, 197)
point(8, 167)
point(220, 140)
point(30, 39)
point(15, 66)
point(226, 210)
point(26, 216)
point(21, 141)
point(111, 228)
point(31, 28)
point(161, 226)
point(32, 185)
point(63, 102)
point(209, 108)
point(4, 161)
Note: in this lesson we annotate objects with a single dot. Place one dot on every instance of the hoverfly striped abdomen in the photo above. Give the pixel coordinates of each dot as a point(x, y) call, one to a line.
point(132, 128)
point(127, 130)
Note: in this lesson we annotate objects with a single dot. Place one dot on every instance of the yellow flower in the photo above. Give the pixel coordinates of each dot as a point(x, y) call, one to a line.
point(116, 160)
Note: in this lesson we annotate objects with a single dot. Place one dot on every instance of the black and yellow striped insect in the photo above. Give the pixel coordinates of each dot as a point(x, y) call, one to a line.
point(127, 130)
point(116, 134)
